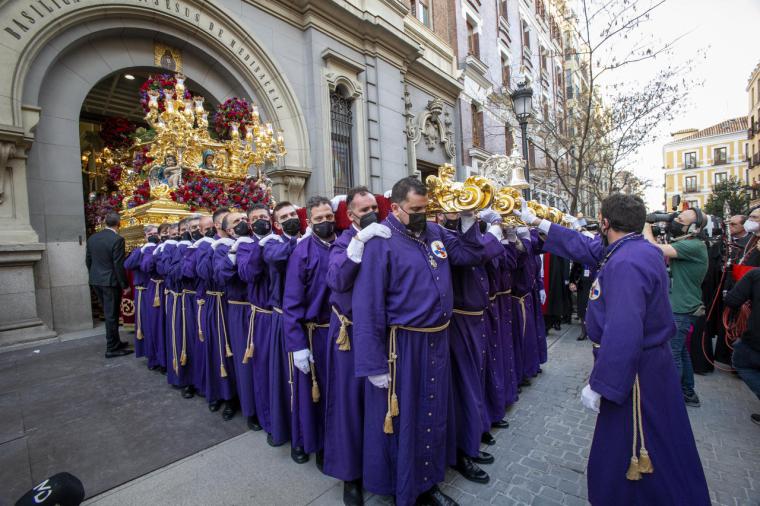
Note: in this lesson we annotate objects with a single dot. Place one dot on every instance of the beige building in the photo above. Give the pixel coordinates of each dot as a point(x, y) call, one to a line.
point(695, 160)
point(753, 134)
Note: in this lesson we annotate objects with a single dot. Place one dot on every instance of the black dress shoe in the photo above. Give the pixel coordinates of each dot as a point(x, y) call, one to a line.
point(214, 406)
point(487, 439)
point(122, 345)
point(352, 493)
point(483, 458)
point(228, 413)
point(540, 370)
point(519, 390)
point(270, 442)
point(162, 370)
point(525, 382)
point(253, 423)
point(188, 392)
point(118, 353)
point(434, 497)
point(501, 424)
point(152, 367)
point(470, 470)
point(298, 455)
point(320, 458)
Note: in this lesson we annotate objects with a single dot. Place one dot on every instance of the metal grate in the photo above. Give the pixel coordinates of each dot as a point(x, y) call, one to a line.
point(341, 119)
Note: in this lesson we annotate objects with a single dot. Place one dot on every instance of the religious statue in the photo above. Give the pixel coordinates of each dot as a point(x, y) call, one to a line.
point(208, 160)
point(169, 173)
point(167, 61)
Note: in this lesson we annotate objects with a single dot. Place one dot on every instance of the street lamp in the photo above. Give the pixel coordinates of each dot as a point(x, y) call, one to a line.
point(522, 101)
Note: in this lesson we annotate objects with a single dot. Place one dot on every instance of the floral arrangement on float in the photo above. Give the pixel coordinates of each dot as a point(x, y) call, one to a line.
point(200, 192)
point(158, 84)
point(233, 110)
point(117, 133)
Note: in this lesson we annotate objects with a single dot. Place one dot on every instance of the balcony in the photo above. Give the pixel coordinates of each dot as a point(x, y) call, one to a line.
point(691, 189)
point(720, 161)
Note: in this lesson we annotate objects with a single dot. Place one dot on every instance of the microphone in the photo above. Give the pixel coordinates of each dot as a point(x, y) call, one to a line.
point(62, 489)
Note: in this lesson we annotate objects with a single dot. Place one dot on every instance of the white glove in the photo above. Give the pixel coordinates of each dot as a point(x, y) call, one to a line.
point(495, 230)
point(388, 194)
point(542, 297)
point(336, 200)
point(373, 230)
point(355, 250)
point(511, 234)
point(305, 235)
point(301, 360)
point(490, 216)
point(523, 232)
point(573, 223)
point(752, 226)
point(381, 380)
point(467, 219)
point(270, 237)
point(525, 214)
point(590, 399)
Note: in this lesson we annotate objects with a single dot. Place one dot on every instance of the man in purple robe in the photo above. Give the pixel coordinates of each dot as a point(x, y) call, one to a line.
point(523, 307)
point(402, 305)
point(153, 319)
point(344, 392)
point(277, 251)
point(539, 297)
point(643, 451)
point(141, 282)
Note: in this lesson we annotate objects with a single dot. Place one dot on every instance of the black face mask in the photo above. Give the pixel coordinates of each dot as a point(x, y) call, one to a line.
point(242, 229)
point(195, 235)
point(153, 239)
point(324, 230)
point(676, 229)
point(417, 222)
point(164, 238)
point(483, 226)
point(175, 237)
point(186, 236)
point(451, 224)
point(368, 219)
point(291, 226)
point(211, 232)
point(262, 227)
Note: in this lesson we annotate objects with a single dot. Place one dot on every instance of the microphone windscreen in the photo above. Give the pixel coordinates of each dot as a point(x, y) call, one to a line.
point(62, 489)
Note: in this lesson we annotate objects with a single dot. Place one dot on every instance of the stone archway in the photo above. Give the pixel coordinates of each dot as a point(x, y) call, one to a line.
point(58, 64)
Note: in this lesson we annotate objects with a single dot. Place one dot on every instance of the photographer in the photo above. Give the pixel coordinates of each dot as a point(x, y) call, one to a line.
point(687, 255)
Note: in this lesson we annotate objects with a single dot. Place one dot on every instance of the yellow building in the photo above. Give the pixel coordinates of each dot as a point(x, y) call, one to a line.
point(697, 159)
point(753, 147)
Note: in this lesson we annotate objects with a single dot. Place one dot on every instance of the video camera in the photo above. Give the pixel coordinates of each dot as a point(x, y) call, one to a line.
point(660, 217)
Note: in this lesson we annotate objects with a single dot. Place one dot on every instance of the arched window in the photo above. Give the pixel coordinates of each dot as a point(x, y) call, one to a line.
point(341, 123)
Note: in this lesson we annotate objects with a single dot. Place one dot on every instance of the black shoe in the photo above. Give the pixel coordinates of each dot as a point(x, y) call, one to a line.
point(581, 337)
point(188, 392)
point(470, 470)
point(320, 459)
point(228, 413)
point(253, 423)
point(501, 424)
point(557, 326)
point(152, 367)
point(162, 370)
point(214, 406)
point(539, 371)
point(525, 382)
point(118, 353)
point(487, 439)
point(434, 497)
point(352, 493)
point(692, 400)
point(123, 345)
point(519, 390)
point(483, 458)
point(270, 441)
point(298, 455)
point(755, 418)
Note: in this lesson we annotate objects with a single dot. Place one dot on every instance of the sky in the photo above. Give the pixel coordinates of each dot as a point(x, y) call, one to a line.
point(728, 32)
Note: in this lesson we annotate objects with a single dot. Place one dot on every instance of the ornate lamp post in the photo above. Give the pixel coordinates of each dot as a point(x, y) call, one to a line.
point(522, 101)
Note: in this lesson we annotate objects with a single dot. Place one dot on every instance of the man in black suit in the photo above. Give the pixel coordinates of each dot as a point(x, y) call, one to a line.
point(105, 263)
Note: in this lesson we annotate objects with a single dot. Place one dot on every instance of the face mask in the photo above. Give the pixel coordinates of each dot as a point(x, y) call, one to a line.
point(176, 237)
point(417, 222)
point(324, 230)
point(242, 229)
point(262, 227)
point(195, 235)
point(676, 229)
point(164, 238)
point(483, 226)
point(752, 227)
point(451, 224)
point(153, 239)
point(186, 236)
point(368, 219)
point(291, 226)
point(211, 232)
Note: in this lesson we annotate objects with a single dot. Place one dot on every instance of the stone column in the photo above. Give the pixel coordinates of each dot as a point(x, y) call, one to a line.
point(288, 184)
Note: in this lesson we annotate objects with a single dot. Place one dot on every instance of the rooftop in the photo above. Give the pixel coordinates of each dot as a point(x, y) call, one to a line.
point(724, 127)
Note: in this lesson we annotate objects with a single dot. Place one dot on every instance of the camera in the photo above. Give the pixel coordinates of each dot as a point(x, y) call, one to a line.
point(660, 216)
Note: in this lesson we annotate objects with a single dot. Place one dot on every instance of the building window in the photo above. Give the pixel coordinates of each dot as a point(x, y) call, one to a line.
point(341, 120)
point(720, 177)
point(503, 9)
point(506, 75)
point(719, 156)
point(421, 11)
point(690, 160)
point(690, 183)
point(473, 45)
point(692, 204)
point(477, 127)
point(526, 35)
point(509, 140)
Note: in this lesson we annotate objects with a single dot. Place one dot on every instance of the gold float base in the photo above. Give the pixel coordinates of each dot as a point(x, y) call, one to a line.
point(155, 212)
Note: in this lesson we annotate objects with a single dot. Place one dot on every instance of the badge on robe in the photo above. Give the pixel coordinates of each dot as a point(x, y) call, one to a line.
point(439, 249)
point(596, 290)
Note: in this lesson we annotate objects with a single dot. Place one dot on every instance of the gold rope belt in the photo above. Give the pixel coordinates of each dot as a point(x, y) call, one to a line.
point(310, 326)
point(277, 310)
point(221, 329)
point(522, 308)
point(505, 292)
point(343, 342)
point(392, 357)
point(251, 321)
point(183, 355)
point(468, 313)
point(174, 294)
point(138, 320)
point(200, 303)
point(157, 293)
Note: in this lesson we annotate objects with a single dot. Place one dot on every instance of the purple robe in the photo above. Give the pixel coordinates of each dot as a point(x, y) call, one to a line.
point(306, 303)
point(141, 282)
point(193, 291)
point(252, 270)
point(629, 317)
point(175, 333)
point(182, 312)
point(220, 372)
point(153, 318)
point(276, 254)
point(343, 391)
point(407, 282)
point(543, 351)
point(523, 310)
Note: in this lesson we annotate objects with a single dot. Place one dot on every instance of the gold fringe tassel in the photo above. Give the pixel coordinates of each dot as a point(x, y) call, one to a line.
point(248, 355)
point(157, 292)
point(200, 302)
point(343, 341)
point(138, 321)
point(641, 464)
point(183, 355)
point(633, 473)
point(315, 393)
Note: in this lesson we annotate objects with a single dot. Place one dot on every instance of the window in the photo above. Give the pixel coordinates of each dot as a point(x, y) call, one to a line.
point(503, 9)
point(720, 177)
point(692, 204)
point(341, 121)
point(421, 11)
point(719, 156)
point(506, 75)
point(690, 183)
point(477, 127)
point(473, 45)
point(690, 160)
point(509, 140)
point(526, 35)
